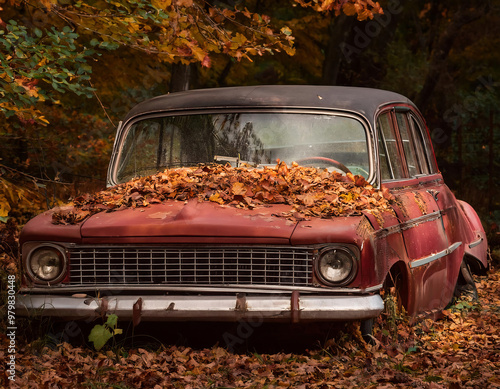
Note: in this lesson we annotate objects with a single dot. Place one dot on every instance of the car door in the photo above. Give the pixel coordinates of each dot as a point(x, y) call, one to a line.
point(405, 174)
point(453, 225)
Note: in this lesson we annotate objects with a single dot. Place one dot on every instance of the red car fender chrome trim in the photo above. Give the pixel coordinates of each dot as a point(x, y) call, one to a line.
point(476, 243)
point(433, 257)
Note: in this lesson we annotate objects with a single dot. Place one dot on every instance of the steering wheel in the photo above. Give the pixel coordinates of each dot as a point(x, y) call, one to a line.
point(330, 161)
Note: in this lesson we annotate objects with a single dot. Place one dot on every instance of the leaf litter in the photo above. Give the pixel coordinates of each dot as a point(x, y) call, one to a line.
point(462, 350)
point(459, 351)
point(309, 192)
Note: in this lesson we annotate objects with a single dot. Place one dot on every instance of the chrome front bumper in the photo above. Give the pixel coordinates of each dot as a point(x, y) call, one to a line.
point(292, 307)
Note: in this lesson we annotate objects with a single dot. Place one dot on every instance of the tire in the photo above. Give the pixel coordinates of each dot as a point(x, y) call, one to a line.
point(366, 328)
point(465, 283)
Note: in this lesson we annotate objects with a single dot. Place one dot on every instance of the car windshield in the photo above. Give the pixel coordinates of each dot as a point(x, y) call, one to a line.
point(253, 139)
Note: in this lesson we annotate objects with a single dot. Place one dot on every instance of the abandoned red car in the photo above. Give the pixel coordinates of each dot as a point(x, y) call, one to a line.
point(276, 203)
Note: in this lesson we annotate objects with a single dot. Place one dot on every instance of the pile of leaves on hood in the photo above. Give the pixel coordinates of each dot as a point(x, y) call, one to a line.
point(310, 192)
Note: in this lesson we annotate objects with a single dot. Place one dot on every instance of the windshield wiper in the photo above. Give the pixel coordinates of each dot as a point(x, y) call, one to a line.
point(236, 161)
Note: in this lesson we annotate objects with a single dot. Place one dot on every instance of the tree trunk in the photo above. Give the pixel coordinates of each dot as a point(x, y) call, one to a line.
point(340, 29)
point(463, 15)
point(183, 77)
point(491, 161)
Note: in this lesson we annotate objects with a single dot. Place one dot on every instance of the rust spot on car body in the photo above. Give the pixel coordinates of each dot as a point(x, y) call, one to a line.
point(241, 303)
point(400, 203)
point(365, 229)
point(422, 205)
point(295, 307)
point(137, 312)
point(102, 308)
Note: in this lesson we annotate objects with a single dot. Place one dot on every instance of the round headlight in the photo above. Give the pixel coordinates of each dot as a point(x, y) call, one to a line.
point(336, 266)
point(46, 264)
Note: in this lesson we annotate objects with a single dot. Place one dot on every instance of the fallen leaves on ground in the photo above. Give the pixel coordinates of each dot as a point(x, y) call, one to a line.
point(310, 192)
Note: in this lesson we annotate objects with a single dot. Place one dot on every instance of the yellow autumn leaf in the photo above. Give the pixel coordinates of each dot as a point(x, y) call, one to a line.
point(198, 52)
point(286, 30)
point(43, 119)
point(49, 4)
point(239, 188)
point(42, 62)
point(349, 9)
point(161, 4)
point(216, 198)
point(5, 77)
point(4, 206)
point(32, 92)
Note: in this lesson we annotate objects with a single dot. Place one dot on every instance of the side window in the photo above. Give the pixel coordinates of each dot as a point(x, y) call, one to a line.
point(408, 144)
point(390, 161)
point(424, 148)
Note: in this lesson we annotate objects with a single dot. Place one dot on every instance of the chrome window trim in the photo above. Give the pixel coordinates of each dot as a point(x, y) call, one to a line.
point(121, 135)
point(112, 159)
point(397, 228)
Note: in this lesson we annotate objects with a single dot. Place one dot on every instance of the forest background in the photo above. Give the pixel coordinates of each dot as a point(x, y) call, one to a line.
point(70, 70)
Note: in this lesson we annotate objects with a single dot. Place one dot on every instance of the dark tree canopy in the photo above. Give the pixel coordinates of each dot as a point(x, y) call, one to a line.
point(70, 70)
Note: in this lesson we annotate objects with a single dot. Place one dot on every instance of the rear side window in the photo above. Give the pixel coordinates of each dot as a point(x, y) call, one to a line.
point(408, 144)
point(423, 146)
point(391, 166)
point(404, 146)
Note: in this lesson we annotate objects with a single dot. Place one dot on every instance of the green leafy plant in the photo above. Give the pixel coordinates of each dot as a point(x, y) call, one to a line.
point(35, 63)
point(100, 334)
point(401, 366)
point(394, 313)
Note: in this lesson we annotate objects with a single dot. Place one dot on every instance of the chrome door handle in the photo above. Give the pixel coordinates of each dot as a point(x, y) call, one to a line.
point(434, 193)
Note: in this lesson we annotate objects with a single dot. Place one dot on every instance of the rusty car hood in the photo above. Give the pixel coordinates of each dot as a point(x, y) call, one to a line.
point(206, 222)
point(192, 219)
point(197, 222)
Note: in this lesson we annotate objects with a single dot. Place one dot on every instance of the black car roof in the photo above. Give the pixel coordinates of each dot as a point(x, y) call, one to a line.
point(365, 101)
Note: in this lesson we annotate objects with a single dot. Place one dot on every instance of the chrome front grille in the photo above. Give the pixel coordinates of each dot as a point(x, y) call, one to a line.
point(191, 266)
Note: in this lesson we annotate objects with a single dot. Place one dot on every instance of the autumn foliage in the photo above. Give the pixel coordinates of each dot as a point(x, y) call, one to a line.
point(55, 53)
point(310, 192)
point(362, 9)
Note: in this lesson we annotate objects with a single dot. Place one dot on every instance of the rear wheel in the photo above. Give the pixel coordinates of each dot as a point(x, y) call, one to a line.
point(465, 283)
